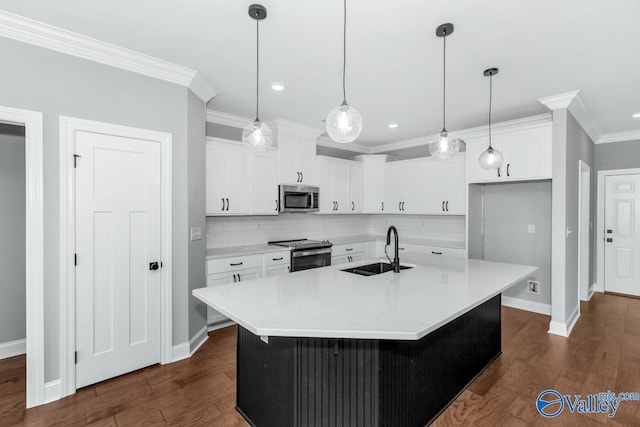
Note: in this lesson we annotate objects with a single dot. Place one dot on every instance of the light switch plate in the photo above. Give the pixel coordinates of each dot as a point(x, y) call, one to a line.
point(531, 228)
point(196, 233)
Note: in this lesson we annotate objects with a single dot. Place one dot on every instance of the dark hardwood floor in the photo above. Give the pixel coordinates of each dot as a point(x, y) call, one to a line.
point(603, 353)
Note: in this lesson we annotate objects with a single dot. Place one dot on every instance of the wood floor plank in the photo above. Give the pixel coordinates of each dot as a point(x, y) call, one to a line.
point(603, 353)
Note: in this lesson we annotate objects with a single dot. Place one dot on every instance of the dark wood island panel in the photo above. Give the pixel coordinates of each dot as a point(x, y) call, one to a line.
point(331, 382)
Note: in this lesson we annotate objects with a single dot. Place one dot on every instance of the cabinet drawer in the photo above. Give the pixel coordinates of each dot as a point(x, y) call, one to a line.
point(221, 265)
point(276, 258)
point(339, 250)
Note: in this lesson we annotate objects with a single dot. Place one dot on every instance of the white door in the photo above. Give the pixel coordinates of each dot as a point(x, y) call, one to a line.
point(622, 234)
point(118, 187)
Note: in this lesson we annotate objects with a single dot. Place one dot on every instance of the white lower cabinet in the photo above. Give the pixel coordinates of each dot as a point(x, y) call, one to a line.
point(355, 252)
point(276, 263)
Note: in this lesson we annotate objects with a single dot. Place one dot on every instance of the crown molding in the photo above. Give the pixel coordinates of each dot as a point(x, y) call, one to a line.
point(280, 124)
point(226, 119)
point(630, 135)
point(559, 101)
point(530, 122)
point(325, 141)
point(580, 113)
point(47, 36)
point(202, 87)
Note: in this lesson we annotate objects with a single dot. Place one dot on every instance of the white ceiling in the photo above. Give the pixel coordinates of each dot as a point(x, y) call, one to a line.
point(394, 69)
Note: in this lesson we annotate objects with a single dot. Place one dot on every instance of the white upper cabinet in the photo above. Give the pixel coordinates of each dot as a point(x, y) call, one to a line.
point(340, 183)
point(444, 185)
point(296, 152)
point(373, 183)
point(526, 151)
point(228, 172)
point(403, 187)
point(264, 183)
point(240, 181)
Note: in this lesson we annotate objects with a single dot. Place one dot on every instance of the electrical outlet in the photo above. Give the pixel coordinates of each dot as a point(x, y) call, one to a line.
point(196, 233)
point(533, 287)
point(531, 228)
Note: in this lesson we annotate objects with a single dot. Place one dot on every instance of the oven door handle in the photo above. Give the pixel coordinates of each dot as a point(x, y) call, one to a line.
point(299, 254)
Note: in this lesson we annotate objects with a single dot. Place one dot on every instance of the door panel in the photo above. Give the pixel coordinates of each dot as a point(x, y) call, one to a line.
point(622, 217)
point(118, 183)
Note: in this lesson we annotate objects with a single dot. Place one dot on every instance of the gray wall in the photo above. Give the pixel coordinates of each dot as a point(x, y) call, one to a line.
point(197, 182)
point(222, 131)
point(12, 234)
point(579, 147)
point(58, 84)
point(508, 210)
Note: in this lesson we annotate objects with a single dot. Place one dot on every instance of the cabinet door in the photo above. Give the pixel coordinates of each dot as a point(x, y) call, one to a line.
point(287, 159)
point(306, 158)
point(238, 180)
point(456, 185)
point(356, 190)
point(434, 186)
point(276, 270)
point(249, 274)
point(392, 184)
point(215, 179)
point(404, 190)
point(525, 155)
point(340, 178)
point(264, 184)
point(475, 147)
point(325, 183)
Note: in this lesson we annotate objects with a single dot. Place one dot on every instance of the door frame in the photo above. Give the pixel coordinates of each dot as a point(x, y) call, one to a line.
point(584, 188)
point(68, 128)
point(602, 176)
point(34, 240)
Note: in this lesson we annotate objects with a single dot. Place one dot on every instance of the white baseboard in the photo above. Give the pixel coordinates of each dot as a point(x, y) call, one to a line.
point(592, 290)
point(198, 339)
point(180, 352)
point(523, 304)
point(52, 391)
point(564, 329)
point(13, 348)
point(220, 325)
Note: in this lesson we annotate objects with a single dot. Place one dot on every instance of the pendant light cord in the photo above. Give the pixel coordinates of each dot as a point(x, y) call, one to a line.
point(444, 83)
point(257, 68)
point(344, 54)
point(490, 103)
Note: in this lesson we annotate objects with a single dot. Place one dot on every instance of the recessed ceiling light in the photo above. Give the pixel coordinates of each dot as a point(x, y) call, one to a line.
point(393, 125)
point(636, 116)
point(278, 87)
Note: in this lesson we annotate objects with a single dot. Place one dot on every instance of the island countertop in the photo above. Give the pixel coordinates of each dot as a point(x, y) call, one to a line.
point(330, 303)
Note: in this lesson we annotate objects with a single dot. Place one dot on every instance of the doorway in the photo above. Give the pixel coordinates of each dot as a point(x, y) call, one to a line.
point(584, 232)
point(116, 249)
point(622, 234)
point(31, 122)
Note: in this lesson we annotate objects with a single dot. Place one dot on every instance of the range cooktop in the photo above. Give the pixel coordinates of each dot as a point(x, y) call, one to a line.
point(301, 244)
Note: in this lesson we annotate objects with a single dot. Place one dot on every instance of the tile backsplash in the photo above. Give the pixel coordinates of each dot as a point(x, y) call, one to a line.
point(250, 230)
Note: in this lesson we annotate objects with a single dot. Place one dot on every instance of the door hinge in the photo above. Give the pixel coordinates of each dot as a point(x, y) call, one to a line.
point(76, 358)
point(75, 259)
point(75, 160)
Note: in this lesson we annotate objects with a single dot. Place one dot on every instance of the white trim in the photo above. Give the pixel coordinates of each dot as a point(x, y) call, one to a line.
point(47, 36)
point(564, 329)
point(531, 122)
point(280, 124)
point(592, 290)
point(523, 304)
point(180, 352)
point(560, 101)
point(580, 113)
point(200, 338)
point(220, 325)
point(32, 121)
point(226, 119)
point(52, 391)
point(630, 135)
point(600, 284)
point(202, 87)
point(13, 348)
point(68, 127)
point(583, 168)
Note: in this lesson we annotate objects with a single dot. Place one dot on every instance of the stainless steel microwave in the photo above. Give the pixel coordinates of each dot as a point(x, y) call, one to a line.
point(299, 198)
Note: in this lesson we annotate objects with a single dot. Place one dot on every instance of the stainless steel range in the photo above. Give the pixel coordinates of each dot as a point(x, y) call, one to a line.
point(307, 254)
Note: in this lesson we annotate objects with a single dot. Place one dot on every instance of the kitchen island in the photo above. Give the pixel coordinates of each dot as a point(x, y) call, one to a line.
point(326, 347)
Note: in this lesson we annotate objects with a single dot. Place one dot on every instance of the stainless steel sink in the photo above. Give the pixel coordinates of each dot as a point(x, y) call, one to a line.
point(373, 269)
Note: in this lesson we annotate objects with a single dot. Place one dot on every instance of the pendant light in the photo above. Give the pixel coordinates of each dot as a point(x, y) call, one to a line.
point(444, 145)
point(491, 158)
point(344, 122)
point(257, 135)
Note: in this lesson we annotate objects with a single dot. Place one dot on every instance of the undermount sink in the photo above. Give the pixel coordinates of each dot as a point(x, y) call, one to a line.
point(373, 269)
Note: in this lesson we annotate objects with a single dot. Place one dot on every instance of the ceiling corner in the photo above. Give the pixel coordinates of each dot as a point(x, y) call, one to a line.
point(202, 87)
point(557, 102)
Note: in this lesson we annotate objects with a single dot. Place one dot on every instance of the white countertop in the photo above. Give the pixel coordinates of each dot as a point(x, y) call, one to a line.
point(329, 303)
point(230, 251)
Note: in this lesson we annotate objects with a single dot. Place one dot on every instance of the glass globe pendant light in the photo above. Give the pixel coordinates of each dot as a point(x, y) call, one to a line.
point(257, 135)
point(490, 158)
point(344, 123)
point(444, 145)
